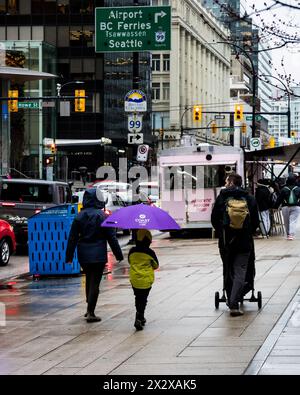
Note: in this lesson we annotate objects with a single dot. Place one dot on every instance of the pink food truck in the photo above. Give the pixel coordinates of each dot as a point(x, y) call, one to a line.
point(191, 179)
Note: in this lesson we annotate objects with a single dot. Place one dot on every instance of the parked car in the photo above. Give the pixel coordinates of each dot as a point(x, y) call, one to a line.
point(151, 189)
point(22, 198)
point(113, 201)
point(7, 242)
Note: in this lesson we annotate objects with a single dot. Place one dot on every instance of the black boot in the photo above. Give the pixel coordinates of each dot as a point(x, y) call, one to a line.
point(91, 317)
point(138, 323)
point(143, 319)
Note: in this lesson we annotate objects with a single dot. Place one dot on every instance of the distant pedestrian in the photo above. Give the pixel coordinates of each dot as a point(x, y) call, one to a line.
point(263, 196)
point(289, 198)
point(235, 219)
point(143, 261)
point(91, 241)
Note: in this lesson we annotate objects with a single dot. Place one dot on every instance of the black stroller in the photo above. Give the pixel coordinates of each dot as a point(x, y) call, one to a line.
point(249, 284)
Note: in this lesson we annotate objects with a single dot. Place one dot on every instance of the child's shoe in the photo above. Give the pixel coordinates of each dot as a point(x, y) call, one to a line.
point(138, 323)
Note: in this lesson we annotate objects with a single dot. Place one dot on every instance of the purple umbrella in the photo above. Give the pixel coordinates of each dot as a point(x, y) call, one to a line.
point(141, 216)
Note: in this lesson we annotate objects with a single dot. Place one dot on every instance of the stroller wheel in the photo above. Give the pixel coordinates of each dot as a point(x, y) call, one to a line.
point(217, 300)
point(259, 299)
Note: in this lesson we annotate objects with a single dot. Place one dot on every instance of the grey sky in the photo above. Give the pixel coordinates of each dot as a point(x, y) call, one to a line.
point(281, 15)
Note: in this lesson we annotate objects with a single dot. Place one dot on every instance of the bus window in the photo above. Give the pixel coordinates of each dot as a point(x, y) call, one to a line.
point(195, 177)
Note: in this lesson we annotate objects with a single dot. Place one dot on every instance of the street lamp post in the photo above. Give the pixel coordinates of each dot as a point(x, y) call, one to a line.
point(253, 81)
point(59, 87)
point(289, 100)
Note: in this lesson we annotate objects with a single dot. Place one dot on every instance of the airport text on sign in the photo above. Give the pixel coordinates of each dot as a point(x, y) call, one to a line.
point(133, 28)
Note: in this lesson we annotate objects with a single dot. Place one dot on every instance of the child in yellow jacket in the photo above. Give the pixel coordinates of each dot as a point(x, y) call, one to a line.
point(143, 261)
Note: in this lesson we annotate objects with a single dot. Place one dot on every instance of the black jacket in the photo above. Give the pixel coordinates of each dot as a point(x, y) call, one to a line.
point(230, 239)
point(263, 197)
point(88, 236)
point(284, 196)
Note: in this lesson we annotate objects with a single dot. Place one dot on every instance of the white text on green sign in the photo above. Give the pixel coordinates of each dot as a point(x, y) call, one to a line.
point(32, 105)
point(133, 29)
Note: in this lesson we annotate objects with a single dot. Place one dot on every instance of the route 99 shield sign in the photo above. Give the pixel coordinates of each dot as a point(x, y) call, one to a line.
point(142, 153)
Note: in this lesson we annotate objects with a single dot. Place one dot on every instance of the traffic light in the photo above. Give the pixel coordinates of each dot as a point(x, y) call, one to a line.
point(238, 112)
point(214, 127)
point(197, 113)
point(80, 103)
point(53, 148)
point(272, 142)
point(13, 104)
point(244, 128)
point(293, 133)
point(49, 161)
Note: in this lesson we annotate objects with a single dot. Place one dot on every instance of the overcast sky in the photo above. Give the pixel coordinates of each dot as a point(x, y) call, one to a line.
point(291, 55)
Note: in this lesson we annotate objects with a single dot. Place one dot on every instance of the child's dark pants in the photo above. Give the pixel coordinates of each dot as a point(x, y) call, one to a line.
point(141, 296)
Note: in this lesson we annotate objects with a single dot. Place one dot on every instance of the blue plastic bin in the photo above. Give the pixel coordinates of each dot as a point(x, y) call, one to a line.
point(48, 233)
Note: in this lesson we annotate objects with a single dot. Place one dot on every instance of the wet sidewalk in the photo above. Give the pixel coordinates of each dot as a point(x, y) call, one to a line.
point(46, 333)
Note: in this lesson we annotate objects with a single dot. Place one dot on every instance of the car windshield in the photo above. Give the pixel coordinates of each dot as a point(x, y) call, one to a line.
point(26, 193)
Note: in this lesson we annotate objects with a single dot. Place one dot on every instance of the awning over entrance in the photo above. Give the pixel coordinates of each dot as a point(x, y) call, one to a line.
point(286, 153)
point(19, 74)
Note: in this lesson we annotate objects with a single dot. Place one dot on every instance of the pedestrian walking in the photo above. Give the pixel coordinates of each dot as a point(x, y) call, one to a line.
point(143, 261)
point(289, 199)
point(235, 219)
point(91, 241)
point(263, 196)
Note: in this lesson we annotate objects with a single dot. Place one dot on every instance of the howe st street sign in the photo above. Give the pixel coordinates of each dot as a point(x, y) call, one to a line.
point(133, 29)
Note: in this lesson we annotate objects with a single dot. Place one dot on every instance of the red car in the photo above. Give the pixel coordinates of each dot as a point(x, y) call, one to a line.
point(7, 242)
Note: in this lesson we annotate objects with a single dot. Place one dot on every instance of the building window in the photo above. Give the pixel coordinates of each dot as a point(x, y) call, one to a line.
point(81, 38)
point(63, 7)
point(156, 91)
point(155, 62)
point(166, 91)
point(166, 62)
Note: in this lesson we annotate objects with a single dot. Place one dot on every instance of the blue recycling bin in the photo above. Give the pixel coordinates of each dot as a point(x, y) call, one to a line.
point(48, 233)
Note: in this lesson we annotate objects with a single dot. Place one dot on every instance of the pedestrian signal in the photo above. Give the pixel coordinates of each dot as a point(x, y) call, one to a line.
point(197, 113)
point(244, 128)
point(53, 148)
point(214, 128)
point(49, 161)
point(13, 102)
point(80, 102)
point(293, 133)
point(238, 112)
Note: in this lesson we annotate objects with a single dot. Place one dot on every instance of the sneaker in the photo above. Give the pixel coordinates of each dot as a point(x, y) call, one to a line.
point(236, 312)
point(91, 317)
point(290, 237)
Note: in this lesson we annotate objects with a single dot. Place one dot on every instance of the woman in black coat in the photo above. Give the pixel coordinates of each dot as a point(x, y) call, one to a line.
point(91, 241)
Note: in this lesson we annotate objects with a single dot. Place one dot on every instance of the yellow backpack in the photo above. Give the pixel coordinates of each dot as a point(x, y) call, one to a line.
point(237, 212)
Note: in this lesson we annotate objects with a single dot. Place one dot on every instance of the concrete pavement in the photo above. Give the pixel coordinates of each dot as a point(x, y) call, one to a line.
point(184, 335)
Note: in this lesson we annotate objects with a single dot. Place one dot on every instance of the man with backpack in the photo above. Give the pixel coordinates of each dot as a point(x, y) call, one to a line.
point(235, 219)
point(289, 198)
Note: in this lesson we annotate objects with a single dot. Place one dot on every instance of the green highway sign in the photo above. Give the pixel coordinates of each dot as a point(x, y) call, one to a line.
point(227, 129)
point(31, 105)
point(133, 29)
point(257, 117)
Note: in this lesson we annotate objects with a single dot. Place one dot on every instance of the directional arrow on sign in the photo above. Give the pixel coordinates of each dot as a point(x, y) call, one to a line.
point(135, 138)
point(159, 14)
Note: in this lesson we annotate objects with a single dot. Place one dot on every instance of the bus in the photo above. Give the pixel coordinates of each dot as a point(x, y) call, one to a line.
point(191, 179)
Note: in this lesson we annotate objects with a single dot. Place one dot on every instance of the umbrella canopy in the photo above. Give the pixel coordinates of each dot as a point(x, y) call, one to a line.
point(141, 216)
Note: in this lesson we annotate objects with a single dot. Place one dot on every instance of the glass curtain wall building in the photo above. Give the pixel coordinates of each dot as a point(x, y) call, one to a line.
point(69, 26)
point(30, 125)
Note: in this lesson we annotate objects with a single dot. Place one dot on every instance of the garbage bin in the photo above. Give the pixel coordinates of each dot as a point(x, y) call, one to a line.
point(48, 233)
